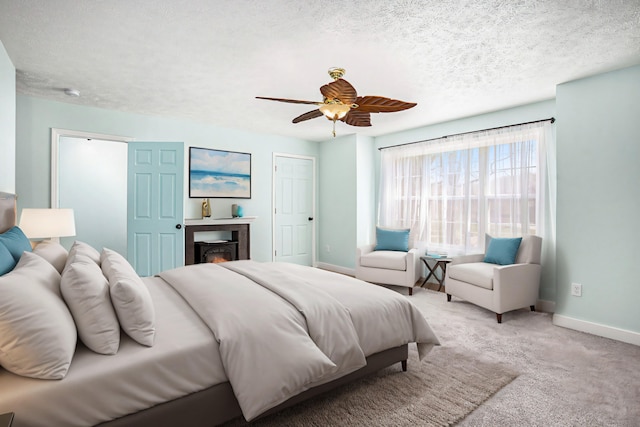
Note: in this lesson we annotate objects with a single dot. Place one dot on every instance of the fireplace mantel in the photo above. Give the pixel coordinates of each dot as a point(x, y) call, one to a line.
point(239, 228)
point(218, 221)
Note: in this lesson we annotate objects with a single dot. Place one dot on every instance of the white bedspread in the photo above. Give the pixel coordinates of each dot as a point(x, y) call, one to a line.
point(299, 326)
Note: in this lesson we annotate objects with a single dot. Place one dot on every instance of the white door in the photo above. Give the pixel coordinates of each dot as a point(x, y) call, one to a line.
point(294, 209)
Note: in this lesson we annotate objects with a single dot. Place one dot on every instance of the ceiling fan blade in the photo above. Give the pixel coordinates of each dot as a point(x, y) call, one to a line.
point(339, 89)
point(308, 116)
point(291, 101)
point(379, 104)
point(357, 118)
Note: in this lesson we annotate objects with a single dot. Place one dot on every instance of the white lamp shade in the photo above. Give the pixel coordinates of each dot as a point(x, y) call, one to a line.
point(47, 223)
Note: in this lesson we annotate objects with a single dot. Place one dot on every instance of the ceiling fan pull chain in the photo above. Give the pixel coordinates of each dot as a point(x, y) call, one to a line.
point(334, 127)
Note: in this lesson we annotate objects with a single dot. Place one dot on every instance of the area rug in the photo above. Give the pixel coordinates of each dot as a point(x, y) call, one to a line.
point(439, 391)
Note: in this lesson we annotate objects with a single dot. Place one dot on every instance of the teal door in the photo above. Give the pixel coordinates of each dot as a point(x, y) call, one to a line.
point(294, 210)
point(155, 237)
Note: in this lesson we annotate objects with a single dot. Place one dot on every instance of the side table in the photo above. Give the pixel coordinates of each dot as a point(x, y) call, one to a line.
point(6, 419)
point(437, 263)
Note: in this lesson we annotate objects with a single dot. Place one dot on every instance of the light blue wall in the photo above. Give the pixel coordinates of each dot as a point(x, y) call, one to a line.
point(598, 140)
point(36, 117)
point(366, 187)
point(7, 123)
point(338, 204)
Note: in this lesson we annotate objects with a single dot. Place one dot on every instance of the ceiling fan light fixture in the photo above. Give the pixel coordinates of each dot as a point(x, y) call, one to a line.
point(339, 98)
point(335, 111)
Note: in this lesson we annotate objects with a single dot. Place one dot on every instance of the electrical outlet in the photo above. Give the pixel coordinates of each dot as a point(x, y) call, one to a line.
point(328, 248)
point(576, 289)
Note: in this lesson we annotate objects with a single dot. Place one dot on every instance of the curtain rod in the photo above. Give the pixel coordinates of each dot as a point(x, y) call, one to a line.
point(551, 119)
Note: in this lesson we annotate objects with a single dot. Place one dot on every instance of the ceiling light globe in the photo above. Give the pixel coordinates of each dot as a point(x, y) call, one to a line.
point(335, 111)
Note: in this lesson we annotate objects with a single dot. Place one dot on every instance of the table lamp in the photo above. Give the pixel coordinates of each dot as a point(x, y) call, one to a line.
point(47, 223)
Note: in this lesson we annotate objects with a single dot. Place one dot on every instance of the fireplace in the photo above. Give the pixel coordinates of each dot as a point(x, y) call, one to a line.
point(216, 251)
point(239, 235)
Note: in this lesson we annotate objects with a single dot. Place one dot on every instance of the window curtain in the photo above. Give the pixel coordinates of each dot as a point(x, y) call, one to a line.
point(451, 191)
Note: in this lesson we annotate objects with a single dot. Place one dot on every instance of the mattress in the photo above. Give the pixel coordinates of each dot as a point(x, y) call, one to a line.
point(184, 359)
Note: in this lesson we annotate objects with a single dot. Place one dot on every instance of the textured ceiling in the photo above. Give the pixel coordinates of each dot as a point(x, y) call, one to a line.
point(206, 60)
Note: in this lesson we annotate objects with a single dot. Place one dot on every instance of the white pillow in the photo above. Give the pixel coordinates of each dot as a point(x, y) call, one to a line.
point(86, 292)
point(37, 333)
point(52, 252)
point(81, 249)
point(130, 297)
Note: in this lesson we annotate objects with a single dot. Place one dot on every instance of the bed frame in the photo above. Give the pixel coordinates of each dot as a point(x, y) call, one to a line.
point(217, 404)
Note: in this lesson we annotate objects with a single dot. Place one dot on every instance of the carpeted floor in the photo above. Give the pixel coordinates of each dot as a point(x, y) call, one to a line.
point(567, 378)
point(438, 391)
point(564, 377)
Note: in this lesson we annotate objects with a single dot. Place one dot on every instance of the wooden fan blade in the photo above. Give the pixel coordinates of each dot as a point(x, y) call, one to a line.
point(340, 89)
point(357, 118)
point(379, 104)
point(291, 101)
point(308, 116)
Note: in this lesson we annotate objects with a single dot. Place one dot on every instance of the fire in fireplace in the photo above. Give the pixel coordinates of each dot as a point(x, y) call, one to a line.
point(216, 251)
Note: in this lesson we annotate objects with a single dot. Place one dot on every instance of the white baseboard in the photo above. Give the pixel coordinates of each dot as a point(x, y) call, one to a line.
point(617, 334)
point(336, 268)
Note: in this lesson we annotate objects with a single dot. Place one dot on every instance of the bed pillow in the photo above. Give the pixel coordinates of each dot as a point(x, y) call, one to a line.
point(37, 333)
point(392, 240)
point(81, 249)
point(52, 252)
point(15, 240)
point(130, 297)
point(502, 251)
point(7, 263)
point(86, 292)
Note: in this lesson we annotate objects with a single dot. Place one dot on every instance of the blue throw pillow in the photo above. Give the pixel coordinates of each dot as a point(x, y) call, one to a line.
point(6, 260)
point(15, 240)
point(502, 251)
point(392, 240)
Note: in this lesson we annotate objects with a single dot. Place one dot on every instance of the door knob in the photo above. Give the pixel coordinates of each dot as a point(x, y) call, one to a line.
point(178, 226)
point(310, 218)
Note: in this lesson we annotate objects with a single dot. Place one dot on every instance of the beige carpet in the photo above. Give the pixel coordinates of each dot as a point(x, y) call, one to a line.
point(439, 391)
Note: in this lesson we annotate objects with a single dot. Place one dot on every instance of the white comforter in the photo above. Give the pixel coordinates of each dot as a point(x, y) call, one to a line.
point(298, 327)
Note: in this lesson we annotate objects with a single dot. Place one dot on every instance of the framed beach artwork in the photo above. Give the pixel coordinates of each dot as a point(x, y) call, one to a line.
point(219, 173)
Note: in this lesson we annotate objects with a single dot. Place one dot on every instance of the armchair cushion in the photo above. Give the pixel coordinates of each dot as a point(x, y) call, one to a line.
point(389, 260)
point(392, 240)
point(502, 251)
point(475, 273)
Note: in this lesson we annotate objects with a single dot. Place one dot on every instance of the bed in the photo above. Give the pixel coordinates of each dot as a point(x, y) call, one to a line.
point(243, 339)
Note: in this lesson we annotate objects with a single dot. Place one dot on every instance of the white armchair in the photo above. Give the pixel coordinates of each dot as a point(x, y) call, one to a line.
point(499, 288)
point(388, 267)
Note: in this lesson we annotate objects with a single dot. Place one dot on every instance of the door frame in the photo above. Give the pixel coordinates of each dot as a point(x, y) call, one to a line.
point(313, 203)
point(56, 134)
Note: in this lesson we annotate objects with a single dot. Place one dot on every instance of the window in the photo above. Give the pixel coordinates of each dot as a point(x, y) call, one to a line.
point(453, 190)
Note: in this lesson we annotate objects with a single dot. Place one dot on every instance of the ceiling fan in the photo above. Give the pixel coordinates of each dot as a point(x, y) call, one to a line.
point(341, 102)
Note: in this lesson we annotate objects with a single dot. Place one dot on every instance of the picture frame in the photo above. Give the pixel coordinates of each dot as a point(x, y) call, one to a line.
point(219, 174)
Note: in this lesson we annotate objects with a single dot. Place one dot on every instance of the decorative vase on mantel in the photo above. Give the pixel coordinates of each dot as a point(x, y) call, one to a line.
point(236, 211)
point(206, 208)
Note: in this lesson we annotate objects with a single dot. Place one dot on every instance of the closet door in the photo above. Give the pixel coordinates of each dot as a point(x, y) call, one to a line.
point(294, 237)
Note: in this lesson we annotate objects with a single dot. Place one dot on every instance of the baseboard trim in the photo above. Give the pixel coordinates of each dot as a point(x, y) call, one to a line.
point(598, 329)
point(336, 268)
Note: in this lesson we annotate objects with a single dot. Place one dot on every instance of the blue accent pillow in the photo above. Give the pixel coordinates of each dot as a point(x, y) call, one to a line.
point(392, 240)
point(17, 243)
point(7, 263)
point(502, 251)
